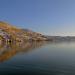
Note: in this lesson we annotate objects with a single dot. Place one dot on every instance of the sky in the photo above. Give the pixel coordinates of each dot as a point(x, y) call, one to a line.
point(49, 17)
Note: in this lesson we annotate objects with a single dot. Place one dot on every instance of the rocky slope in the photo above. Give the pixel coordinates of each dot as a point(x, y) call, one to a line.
point(11, 33)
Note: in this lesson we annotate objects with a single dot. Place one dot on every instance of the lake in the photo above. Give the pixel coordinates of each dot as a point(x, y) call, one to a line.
point(38, 58)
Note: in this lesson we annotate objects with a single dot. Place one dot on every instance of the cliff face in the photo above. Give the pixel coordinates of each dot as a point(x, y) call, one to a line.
point(12, 33)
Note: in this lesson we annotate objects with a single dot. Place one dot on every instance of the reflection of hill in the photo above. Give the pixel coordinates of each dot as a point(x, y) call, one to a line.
point(9, 51)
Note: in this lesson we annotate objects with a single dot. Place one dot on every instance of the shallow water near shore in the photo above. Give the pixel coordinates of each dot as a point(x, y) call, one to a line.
point(38, 58)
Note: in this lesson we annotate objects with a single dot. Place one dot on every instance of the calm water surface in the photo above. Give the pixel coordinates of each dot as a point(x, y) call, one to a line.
point(38, 58)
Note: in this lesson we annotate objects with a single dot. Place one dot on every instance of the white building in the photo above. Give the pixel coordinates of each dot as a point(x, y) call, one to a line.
point(4, 35)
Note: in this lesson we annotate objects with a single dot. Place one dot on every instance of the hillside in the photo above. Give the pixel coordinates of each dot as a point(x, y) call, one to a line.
point(16, 34)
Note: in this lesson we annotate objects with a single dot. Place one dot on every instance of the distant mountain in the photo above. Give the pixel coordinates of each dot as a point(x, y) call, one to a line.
point(12, 33)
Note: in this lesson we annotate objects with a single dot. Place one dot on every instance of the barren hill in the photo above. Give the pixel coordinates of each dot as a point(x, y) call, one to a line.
point(17, 34)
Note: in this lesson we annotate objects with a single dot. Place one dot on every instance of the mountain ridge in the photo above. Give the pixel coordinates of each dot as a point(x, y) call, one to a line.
point(9, 33)
point(17, 34)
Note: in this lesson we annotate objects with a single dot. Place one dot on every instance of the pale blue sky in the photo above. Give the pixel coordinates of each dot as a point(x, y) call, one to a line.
point(50, 17)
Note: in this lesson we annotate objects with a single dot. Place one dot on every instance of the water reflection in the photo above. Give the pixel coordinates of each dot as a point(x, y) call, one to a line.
point(9, 50)
point(54, 58)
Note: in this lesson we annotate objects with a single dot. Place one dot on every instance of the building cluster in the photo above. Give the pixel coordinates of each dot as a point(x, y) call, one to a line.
point(4, 36)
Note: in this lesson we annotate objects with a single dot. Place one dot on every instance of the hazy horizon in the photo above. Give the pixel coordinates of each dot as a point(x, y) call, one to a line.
point(49, 17)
